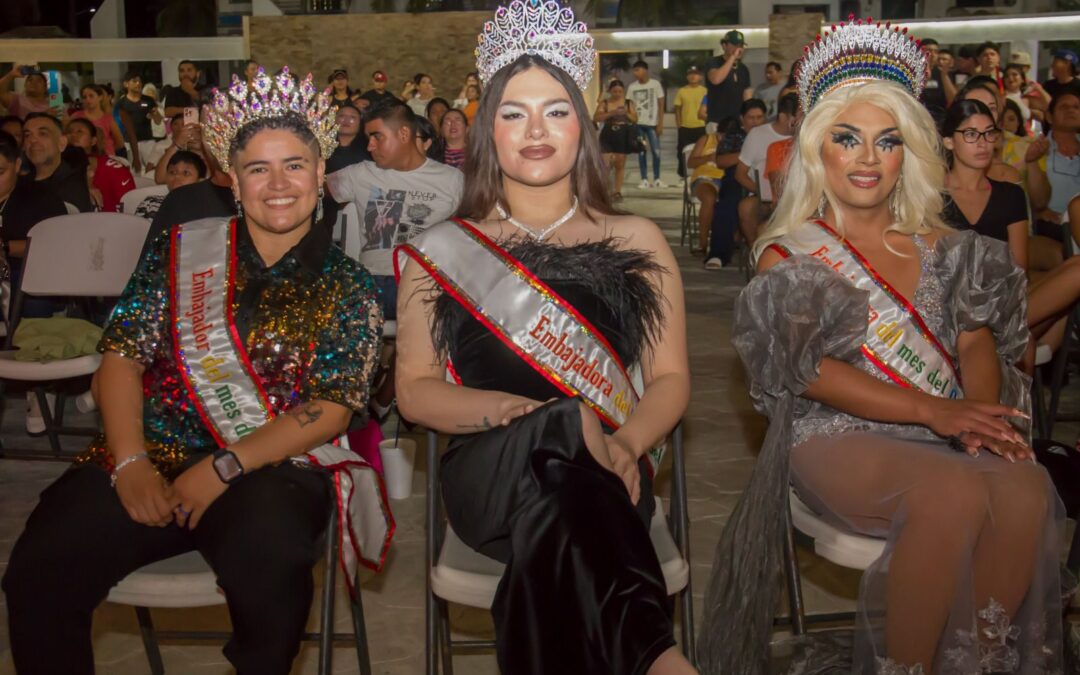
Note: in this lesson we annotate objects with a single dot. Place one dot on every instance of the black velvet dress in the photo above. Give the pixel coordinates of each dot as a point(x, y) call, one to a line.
point(583, 591)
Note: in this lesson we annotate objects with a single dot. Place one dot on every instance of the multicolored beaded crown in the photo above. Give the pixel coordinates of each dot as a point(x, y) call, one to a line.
point(858, 52)
point(269, 97)
point(544, 29)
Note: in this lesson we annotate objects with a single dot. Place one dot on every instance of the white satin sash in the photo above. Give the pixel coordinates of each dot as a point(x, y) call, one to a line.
point(229, 395)
point(898, 341)
point(530, 318)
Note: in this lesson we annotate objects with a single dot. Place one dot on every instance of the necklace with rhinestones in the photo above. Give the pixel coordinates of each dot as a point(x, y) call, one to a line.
point(542, 234)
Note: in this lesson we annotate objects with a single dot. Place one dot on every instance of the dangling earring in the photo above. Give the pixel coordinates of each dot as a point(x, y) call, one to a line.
point(894, 203)
point(821, 207)
point(318, 206)
point(239, 208)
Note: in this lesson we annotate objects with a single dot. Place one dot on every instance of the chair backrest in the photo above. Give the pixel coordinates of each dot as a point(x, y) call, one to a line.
point(87, 254)
point(144, 182)
point(71, 208)
point(131, 200)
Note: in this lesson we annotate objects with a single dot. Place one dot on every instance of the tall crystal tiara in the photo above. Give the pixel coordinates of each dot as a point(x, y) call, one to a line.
point(544, 29)
point(858, 52)
point(268, 97)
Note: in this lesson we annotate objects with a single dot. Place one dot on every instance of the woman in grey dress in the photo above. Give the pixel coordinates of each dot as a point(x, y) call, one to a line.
point(894, 419)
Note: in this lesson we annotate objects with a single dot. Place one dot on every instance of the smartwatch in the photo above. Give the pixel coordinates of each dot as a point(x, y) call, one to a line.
point(227, 465)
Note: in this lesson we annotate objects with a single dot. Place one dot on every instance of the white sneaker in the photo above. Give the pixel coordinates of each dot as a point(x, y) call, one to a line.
point(659, 184)
point(35, 423)
point(643, 185)
point(714, 264)
point(85, 403)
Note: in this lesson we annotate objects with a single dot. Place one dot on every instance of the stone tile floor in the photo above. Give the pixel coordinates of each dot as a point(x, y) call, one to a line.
point(722, 434)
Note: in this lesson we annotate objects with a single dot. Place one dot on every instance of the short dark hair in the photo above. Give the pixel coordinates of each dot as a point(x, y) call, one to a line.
point(177, 117)
point(967, 52)
point(291, 121)
point(425, 130)
point(788, 105)
point(773, 64)
point(751, 103)
point(10, 118)
point(418, 77)
point(930, 41)
point(987, 45)
point(392, 112)
point(641, 64)
point(1071, 89)
point(131, 75)
point(434, 102)
point(9, 147)
point(615, 83)
point(86, 123)
point(188, 157)
point(43, 116)
point(187, 62)
point(945, 50)
point(350, 106)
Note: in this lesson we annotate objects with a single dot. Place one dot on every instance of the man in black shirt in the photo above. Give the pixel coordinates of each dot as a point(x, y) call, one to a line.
point(187, 94)
point(44, 143)
point(727, 79)
point(377, 94)
point(206, 199)
point(142, 109)
point(23, 202)
point(1062, 71)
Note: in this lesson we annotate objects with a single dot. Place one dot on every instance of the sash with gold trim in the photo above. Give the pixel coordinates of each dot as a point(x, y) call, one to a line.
point(229, 395)
point(530, 318)
point(898, 342)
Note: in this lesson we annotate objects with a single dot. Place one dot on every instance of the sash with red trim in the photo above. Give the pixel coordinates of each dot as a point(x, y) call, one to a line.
point(530, 318)
point(229, 394)
point(898, 341)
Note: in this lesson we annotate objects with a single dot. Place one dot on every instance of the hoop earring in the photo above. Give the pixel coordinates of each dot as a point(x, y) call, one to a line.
point(239, 208)
point(319, 207)
point(820, 213)
point(894, 203)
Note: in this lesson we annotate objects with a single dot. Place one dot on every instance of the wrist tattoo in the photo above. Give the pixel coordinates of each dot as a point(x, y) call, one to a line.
point(483, 426)
point(306, 414)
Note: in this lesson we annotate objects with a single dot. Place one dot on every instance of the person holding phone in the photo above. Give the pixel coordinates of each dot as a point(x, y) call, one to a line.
point(35, 95)
point(728, 79)
point(187, 94)
point(185, 136)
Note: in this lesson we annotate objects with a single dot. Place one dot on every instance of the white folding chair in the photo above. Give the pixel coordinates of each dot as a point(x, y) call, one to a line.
point(144, 182)
point(71, 208)
point(838, 546)
point(457, 573)
point(131, 200)
point(82, 255)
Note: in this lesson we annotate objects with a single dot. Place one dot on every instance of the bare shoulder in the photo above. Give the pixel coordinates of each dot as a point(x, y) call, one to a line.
point(636, 231)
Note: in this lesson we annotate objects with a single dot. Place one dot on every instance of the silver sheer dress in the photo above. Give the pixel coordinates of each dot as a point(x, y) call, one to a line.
point(969, 579)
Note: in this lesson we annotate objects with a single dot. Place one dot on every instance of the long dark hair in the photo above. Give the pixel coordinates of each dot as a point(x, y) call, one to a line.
point(484, 187)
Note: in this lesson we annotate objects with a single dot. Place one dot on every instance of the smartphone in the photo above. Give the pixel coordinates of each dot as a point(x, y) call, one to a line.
point(191, 116)
point(56, 96)
point(28, 69)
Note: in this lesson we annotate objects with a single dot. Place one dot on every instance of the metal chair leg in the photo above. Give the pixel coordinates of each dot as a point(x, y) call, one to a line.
point(363, 654)
point(794, 581)
point(681, 528)
point(51, 427)
point(1057, 377)
point(326, 613)
point(1038, 405)
point(153, 654)
point(446, 648)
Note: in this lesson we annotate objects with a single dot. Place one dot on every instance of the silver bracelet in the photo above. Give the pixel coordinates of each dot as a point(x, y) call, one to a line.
point(123, 465)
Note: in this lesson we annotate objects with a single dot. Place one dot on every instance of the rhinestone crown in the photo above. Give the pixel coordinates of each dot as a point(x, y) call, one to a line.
point(269, 97)
point(544, 29)
point(858, 52)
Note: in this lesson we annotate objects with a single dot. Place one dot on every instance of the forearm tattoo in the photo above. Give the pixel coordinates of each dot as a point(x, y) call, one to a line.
point(306, 414)
point(483, 426)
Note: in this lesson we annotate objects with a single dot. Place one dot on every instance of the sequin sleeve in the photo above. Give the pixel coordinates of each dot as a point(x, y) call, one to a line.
point(138, 326)
point(790, 318)
point(348, 345)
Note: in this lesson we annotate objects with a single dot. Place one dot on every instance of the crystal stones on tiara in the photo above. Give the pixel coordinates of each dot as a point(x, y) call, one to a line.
point(858, 52)
point(268, 97)
point(539, 28)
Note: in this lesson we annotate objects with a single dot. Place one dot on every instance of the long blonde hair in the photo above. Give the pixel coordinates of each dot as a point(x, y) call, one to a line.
point(923, 170)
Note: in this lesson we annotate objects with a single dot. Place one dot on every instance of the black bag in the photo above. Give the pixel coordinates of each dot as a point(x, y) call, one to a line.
point(1063, 464)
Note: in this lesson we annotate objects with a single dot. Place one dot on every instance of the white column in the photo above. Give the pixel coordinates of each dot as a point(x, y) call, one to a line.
point(108, 22)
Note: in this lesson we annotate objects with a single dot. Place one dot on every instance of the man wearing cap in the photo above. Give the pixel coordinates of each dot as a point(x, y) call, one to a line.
point(727, 79)
point(342, 93)
point(687, 103)
point(1062, 72)
point(377, 93)
point(940, 88)
point(1020, 58)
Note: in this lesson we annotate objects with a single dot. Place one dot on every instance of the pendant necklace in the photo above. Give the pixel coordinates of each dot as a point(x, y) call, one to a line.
point(538, 236)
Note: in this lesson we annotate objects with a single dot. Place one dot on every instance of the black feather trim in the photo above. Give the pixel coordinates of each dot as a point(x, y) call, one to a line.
point(626, 281)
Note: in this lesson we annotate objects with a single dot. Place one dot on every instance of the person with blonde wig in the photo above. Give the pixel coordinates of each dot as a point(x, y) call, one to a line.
point(880, 344)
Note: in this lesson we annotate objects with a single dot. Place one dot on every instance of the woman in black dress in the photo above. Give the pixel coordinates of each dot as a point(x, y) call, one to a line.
point(539, 285)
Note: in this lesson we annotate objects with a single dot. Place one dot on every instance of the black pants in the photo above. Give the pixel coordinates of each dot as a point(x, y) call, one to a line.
point(260, 537)
point(686, 137)
point(725, 219)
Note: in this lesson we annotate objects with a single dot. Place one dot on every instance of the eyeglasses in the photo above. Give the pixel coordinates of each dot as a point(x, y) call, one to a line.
point(973, 135)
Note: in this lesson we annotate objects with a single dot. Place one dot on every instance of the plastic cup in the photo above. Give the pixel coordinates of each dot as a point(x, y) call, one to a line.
point(397, 459)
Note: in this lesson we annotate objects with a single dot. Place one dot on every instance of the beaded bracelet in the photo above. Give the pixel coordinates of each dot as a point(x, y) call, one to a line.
point(122, 465)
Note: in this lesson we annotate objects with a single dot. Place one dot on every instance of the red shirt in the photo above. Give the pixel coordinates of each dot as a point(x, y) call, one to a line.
point(113, 180)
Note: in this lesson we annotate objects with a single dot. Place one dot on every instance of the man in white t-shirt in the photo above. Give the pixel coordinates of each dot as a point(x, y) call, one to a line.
point(648, 97)
point(750, 171)
point(397, 196)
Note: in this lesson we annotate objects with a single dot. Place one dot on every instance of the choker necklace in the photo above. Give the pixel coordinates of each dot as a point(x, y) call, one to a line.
point(541, 235)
